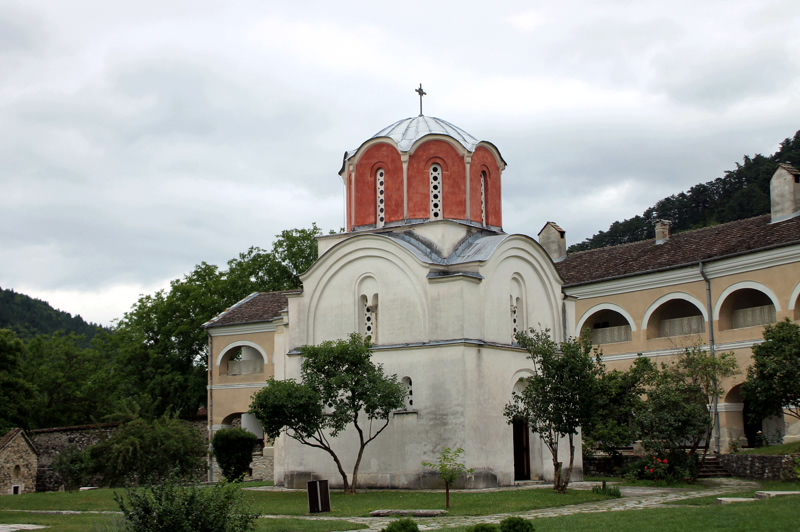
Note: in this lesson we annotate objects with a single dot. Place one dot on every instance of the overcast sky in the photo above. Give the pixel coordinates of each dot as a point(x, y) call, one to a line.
point(138, 139)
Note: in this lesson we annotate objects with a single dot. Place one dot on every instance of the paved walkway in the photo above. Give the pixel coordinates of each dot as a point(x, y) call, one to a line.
point(634, 498)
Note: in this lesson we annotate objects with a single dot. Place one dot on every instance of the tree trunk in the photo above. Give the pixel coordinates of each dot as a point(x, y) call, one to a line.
point(571, 463)
point(557, 475)
point(447, 495)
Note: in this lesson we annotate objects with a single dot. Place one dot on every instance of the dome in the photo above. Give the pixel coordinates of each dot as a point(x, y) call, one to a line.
point(409, 130)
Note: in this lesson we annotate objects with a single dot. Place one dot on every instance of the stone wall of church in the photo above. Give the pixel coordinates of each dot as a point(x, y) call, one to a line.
point(761, 467)
point(17, 467)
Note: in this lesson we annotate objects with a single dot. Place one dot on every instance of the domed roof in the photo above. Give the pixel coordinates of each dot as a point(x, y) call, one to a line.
point(409, 130)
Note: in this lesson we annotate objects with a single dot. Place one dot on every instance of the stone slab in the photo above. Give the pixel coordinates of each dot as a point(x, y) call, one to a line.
point(14, 528)
point(730, 500)
point(768, 494)
point(408, 513)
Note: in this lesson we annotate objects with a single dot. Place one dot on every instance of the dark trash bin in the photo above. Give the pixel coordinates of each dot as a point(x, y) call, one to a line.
point(319, 496)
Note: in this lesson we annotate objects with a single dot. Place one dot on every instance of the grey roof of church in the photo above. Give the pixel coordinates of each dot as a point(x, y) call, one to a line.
point(682, 249)
point(409, 130)
point(257, 307)
point(478, 247)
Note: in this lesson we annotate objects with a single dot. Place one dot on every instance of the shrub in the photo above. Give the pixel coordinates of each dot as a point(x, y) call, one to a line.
point(516, 524)
point(73, 466)
point(142, 451)
point(608, 492)
point(402, 525)
point(168, 507)
point(670, 467)
point(233, 449)
point(483, 527)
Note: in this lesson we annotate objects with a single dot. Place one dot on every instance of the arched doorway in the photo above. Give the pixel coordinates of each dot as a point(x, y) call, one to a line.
point(522, 442)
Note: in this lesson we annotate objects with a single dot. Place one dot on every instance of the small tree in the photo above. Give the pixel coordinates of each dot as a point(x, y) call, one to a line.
point(233, 449)
point(73, 466)
point(340, 384)
point(558, 398)
point(141, 451)
point(773, 381)
point(449, 468)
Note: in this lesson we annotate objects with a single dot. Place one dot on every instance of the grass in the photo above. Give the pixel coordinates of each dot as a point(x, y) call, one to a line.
point(771, 515)
point(775, 450)
point(296, 503)
point(766, 485)
point(100, 523)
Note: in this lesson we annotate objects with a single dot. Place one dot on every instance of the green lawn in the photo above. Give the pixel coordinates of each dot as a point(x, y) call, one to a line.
point(771, 515)
point(775, 450)
point(100, 523)
point(769, 485)
point(296, 503)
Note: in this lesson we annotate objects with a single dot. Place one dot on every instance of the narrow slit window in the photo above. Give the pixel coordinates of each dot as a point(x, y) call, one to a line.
point(380, 197)
point(436, 191)
point(483, 198)
point(369, 322)
point(409, 401)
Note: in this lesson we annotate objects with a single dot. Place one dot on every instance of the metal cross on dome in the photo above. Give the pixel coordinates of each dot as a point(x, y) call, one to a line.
point(421, 94)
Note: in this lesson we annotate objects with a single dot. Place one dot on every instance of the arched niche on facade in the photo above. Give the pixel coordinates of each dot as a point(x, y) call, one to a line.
point(794, 302)
point(608, 323)
point(242, 358)
point(745, 305)
point(676, 314)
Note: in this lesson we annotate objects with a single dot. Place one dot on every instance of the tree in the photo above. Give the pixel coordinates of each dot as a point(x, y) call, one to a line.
point(15, 391)
point(558, 398)
point(618, 400)
point(142, 451)
point(341, 386)
point(773, 381)
point(159, 347)
point(449, 468)
point(233, 449)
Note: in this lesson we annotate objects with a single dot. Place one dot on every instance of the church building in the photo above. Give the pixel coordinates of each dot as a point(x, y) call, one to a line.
point(425, 269)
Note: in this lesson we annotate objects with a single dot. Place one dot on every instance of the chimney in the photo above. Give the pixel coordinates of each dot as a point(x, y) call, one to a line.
point(551, 238)
point(784, 192)
point(662, 231)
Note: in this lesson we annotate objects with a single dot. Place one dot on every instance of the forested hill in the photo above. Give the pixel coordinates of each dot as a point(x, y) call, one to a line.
point(742, 193)
point(29, 317)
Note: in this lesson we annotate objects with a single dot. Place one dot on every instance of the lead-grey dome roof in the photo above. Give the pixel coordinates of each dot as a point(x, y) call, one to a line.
point(409, 130)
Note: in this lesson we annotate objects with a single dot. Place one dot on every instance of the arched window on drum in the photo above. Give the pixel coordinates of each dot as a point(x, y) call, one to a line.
point(436, 191)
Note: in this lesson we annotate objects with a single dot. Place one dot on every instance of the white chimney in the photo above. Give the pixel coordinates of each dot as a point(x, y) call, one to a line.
point(784, 192)
point(551, 238)
point(662, 231)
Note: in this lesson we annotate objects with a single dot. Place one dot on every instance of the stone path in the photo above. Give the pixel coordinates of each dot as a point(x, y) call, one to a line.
point(634, 498)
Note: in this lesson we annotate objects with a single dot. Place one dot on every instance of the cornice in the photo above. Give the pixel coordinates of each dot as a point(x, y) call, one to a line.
point(730, 346)
point(242, 328)
point(236, 386)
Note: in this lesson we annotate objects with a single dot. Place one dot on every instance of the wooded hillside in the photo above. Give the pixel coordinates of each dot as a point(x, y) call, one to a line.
point(742, 193)
point(29, 317)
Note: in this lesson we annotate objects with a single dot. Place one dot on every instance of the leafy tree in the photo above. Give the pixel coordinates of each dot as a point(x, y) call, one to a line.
point(141, 451)
point(71, 381)
point(15, 391)
point(159, 347)
point(29, 317)
point(233, 449)
point(341, 386)
point(73, 466)
point(773, 381)
point(559, 397)
point(449, 468)
point(169, 507)
point(618, 400)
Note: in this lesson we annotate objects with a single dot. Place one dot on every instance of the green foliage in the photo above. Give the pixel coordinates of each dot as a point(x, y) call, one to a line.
point(617, 402)
point(676, 414)
point(74, 467)
point(341, 378)
point(159, 347)
point(449, 468)
point(168, 507)
point(29, 317)
point(72, 381)
point(516, 524)
point(141, 451)
point(559, 397)
point(401, 525)
point(233, 449)
point(674, 466)
point(483, 527)
point(612, 491)
point(741, 194)
point(15, 391)
point(773, 381)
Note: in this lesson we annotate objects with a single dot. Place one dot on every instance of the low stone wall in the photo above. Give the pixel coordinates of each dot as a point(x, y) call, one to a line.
point(261, 468)
point(606, 466)
point(760, 467)
point(52, 442)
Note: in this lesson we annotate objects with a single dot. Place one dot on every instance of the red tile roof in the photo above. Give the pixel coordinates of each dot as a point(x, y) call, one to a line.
point(682, 249)
point(257, 307)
